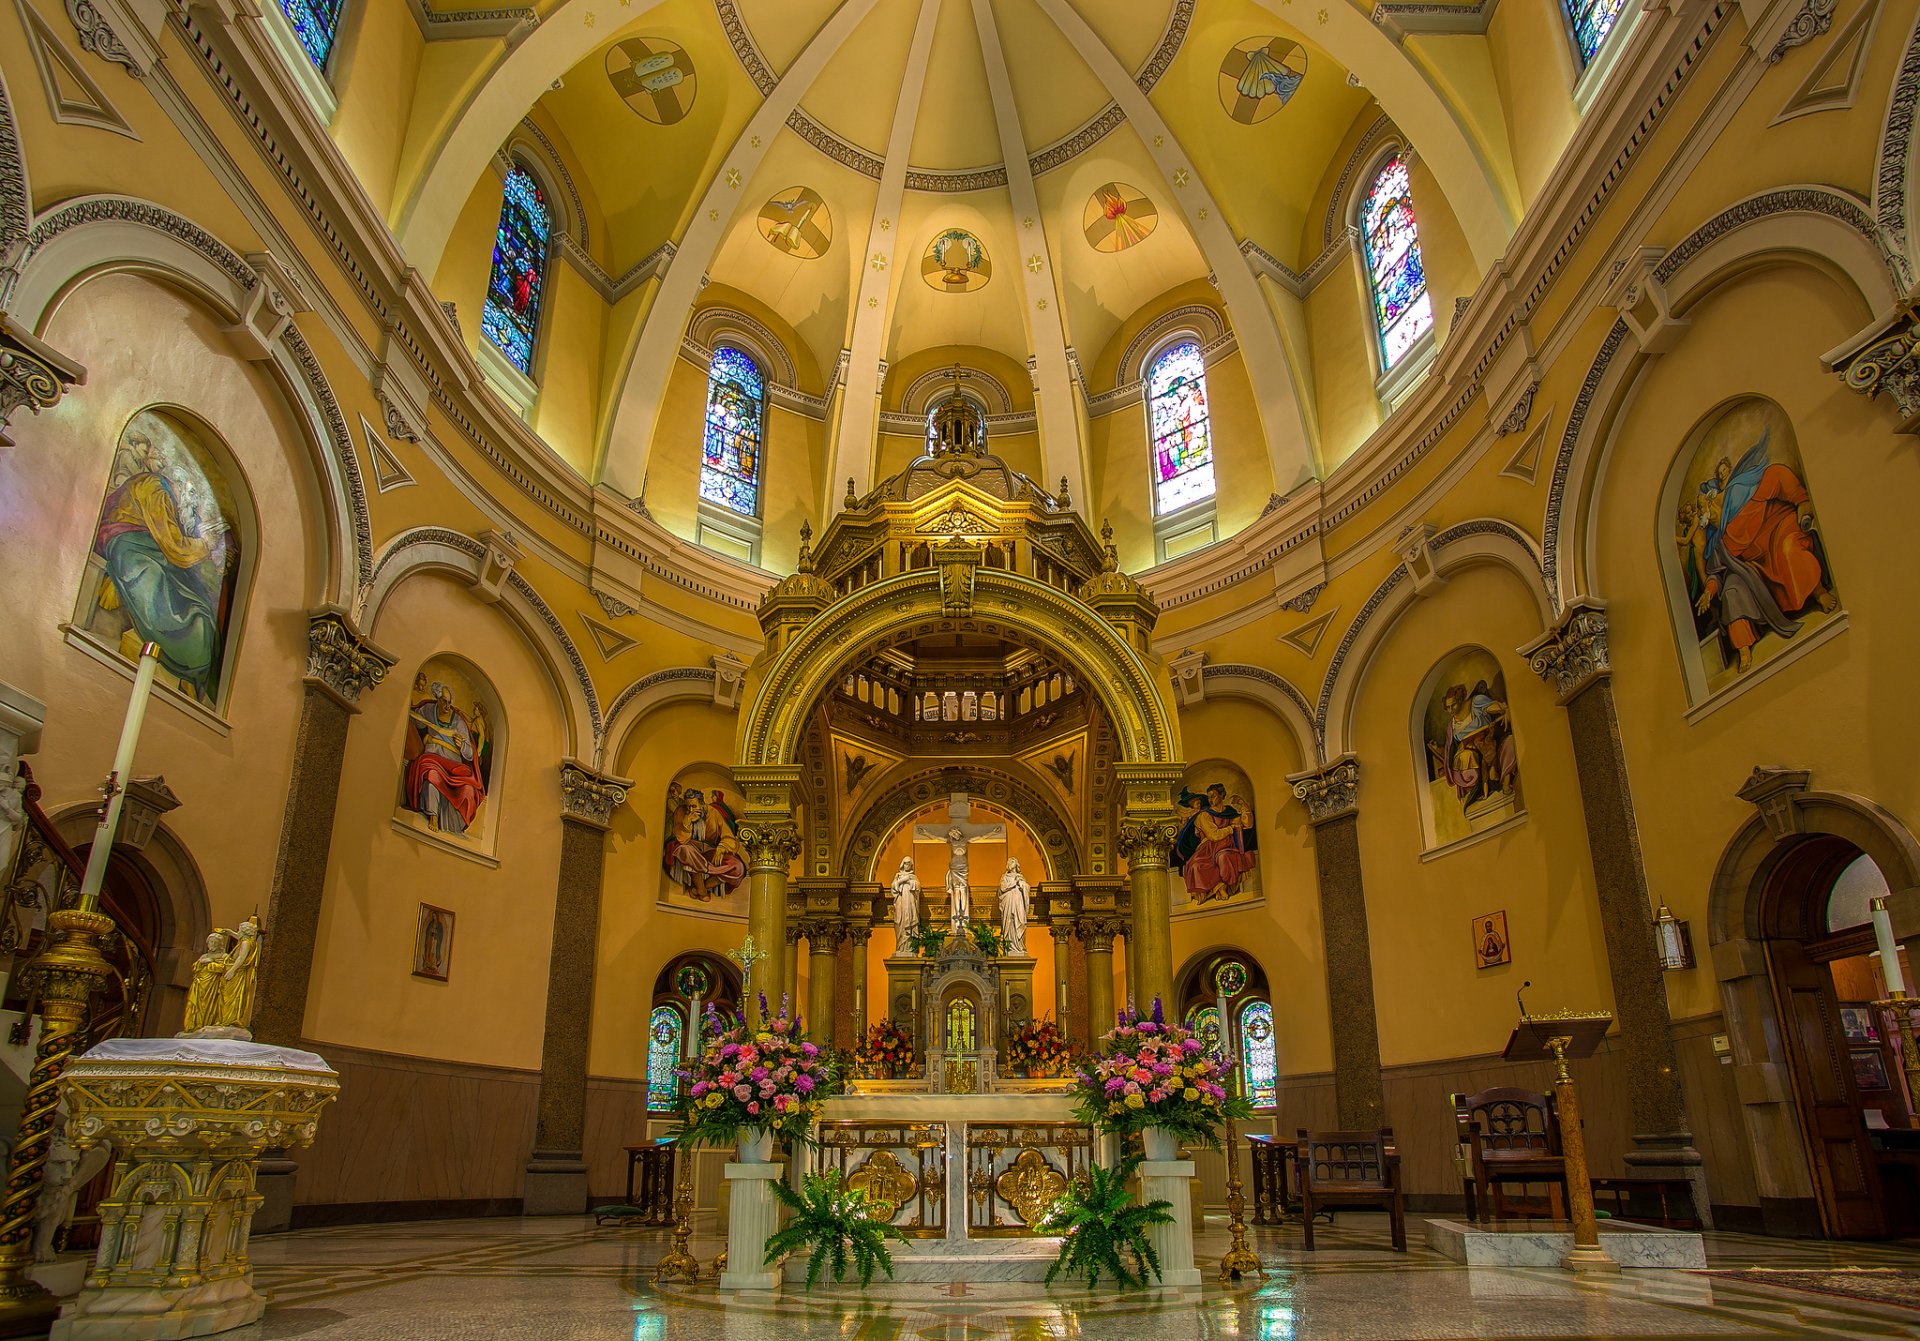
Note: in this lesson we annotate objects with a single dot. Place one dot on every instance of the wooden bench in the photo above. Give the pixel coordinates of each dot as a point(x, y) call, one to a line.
point(1350, 1168)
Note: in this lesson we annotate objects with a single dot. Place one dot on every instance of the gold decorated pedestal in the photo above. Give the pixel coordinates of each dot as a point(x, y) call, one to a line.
point(188, 1119)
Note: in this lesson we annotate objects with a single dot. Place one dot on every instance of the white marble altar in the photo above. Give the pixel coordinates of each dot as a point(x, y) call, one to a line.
point(1546, 1243)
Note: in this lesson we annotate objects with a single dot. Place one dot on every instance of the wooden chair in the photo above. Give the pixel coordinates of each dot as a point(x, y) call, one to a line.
point(1350, 1168)
point(1509, 1136)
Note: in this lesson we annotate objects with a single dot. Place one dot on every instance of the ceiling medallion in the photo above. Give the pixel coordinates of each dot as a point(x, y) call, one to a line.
point(654, 77)
point(797, 222)
point(955, 262)
point(1259, 76)
point(1117, 216)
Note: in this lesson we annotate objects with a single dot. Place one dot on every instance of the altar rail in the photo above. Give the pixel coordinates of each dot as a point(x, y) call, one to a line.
point(903, 1173)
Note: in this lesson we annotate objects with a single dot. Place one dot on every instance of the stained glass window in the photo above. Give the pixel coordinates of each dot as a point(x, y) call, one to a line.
point(317, 24)
point(1204, 1023)
point(1592, 20)
point(663, 1059)
point(1182, 437)
point(1260, 1073)
point(736, 405)
point(511, 317)
point(1402, 311)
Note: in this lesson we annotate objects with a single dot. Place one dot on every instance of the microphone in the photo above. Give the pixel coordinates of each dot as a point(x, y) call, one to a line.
point(1520, 997)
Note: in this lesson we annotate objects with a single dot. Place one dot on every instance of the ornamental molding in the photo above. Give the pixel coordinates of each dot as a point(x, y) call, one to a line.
point(16, 202)
point(1896, 146)
point(1522, 410)
point(1205, 323)
point(512, 22)
point(588, 796)
point(1572, 656)
point(1331, 791)
point(614, 288)
point(1811, 20)
point(33, 376)
point(95, 34)
point(340, 659)
point(1377, 134)
point(557, 165)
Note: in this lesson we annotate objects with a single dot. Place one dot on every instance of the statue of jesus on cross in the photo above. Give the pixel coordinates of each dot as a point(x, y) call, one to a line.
point(957, 833)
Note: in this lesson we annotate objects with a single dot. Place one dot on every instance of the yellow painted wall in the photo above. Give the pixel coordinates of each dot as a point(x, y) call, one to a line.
point(1534, 70)
point(374, 73)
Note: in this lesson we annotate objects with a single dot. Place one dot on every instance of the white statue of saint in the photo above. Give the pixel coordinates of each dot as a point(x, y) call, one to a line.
point(1016, 900)
point(957, 833)
point(906, 903)
point(68, 1171)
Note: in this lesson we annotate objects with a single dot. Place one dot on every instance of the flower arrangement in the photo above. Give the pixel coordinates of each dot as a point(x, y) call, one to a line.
point(887, 1052)
point(753, 1077)
point(1038, 1047)
point(927, 941)
point(1154, 1074)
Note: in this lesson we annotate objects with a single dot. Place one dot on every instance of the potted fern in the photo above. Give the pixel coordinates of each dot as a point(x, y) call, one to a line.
point(1106, 1229)
point(835, 1224)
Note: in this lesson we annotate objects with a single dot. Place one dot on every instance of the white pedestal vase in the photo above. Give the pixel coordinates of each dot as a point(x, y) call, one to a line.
point(754, 1213)
point(1170, 1180)
point(188, 1119)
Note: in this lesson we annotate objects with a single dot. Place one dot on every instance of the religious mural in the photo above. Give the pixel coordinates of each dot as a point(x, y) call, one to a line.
point(1215, 851)
point(654, 77)
point(701, 859)
point(1117, 216)
point(797, 222)
point(1470, 761)
point(1259, 76)
point(1748, 567)
point(165, 563)
point(956, 262)
point(452, 754)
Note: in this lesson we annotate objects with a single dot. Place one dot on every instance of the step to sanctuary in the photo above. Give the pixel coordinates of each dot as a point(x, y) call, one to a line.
point(1546, 1243)
point(976, 1261)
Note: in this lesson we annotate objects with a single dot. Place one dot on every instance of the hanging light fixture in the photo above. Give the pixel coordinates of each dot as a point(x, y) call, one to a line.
point(1670, 934)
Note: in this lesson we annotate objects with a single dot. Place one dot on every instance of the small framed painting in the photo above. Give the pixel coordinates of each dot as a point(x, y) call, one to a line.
point(1490, 945)
point(433, 943)
point(1856, 1022)
point(1869, 1069)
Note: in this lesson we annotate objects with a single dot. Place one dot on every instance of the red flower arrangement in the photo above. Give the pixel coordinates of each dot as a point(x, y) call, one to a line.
point(887, 1052)
point(1039, 1047)
point(1154, 1074)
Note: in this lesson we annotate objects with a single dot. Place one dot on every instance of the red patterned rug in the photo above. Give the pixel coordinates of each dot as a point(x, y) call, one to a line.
point(1899, 1286)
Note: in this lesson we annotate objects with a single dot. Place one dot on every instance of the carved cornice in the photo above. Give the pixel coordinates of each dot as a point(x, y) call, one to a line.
point(1811, 20)
point(339, 660)
point(589, 797)
point(1883, 359)
point(1331, 791)
point(1572, 655)
point(1776, 793)
point(33, 376)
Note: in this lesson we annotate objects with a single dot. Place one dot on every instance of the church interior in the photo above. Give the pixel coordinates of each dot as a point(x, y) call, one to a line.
point(653, 642)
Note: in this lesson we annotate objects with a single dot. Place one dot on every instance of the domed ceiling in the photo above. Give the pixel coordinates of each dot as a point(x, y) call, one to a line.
point(895, 155)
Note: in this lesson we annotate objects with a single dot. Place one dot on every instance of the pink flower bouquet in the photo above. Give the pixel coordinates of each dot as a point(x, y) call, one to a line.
point(1149, 1073)
point(763, 1076)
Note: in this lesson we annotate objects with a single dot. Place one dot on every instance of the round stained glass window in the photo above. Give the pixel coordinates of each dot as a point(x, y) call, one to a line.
point(692, 980)
point(1230, 979)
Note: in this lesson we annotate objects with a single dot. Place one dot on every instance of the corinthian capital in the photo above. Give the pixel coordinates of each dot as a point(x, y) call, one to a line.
point(1573, 654)
point(1331, 791)
point(589, 797)
point(1146, 842)
point(770, 846)
point(1098, 931)
point(33, 376)
point(339, 660)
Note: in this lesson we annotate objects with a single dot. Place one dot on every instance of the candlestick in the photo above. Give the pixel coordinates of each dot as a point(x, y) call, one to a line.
point(116, 789)
point(1889, 949)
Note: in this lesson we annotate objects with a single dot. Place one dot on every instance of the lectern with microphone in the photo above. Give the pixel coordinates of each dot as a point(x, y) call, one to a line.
point(1562, 1037)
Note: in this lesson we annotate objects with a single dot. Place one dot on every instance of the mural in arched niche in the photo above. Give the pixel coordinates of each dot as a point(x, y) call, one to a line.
point(452, 755)
point(702, 862)
point(1747, 569)
point(168, 553)
point(1467, 754)
point(1215, 856)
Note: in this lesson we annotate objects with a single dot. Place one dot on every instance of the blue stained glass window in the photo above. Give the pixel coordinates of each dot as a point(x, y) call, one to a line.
point(511, 317)
point(736, 409)
point(1260, 1073)
point(1182, 437)
point(317, 24)
point(663, 1058)
point(1402, 311)
point(1592, 20)
point(1203, 1022)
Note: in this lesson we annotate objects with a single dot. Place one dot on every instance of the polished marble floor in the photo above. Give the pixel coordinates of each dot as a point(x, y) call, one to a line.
point(565, 1280)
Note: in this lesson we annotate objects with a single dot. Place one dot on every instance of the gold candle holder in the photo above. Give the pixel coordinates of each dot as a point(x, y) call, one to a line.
point(1898, 1009)
point(680, 1264)
point(1240, 1258)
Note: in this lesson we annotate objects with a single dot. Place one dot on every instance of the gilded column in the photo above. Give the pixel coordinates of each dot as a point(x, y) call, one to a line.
point(1572, 658)
point(1062, 933)
point(1331, 795)
point(859, 934)
point(823, 952)
point(1097, 933)
point(1145, 843)
point(771, 848)
point(341, 665)
point(557, 1170)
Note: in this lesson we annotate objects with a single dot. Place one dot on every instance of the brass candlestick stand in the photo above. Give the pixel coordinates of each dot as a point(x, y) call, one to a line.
point(1240, 1258)
point(680, 1264)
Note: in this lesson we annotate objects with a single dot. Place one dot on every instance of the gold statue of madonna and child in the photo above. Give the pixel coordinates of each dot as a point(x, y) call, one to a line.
point(220, 999)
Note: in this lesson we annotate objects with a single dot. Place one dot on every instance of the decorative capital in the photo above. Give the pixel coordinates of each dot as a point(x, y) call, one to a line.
point(1776, 793)
point(587, 797)
point(1146, 842)
point(1882, 358)
point(1098, 932)
point(33, 376)
point(1331, 791)
point(339, 660)
point(1573, 654)
point(823, 934)
point(770, 847)
point(859, 933)
point(1062, 932)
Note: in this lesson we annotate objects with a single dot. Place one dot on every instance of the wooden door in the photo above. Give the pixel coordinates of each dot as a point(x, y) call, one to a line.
point(1845, 1174)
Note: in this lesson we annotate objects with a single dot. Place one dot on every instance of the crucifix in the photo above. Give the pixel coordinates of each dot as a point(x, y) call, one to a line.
point(746, 957)
point(957, 833)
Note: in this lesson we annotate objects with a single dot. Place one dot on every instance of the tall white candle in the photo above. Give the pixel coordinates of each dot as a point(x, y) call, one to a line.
point(1889, 950)
point(122, 770)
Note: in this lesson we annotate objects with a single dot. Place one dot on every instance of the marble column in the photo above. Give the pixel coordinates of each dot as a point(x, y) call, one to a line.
point(1331, 795)
point(823, 951)
point(1572, 658)
point(341, 665)
point(771, 848)
point(1062, 933)
point(1097, 933)
point(557, 1170)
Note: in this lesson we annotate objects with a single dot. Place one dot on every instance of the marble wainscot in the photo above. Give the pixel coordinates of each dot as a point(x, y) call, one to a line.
point(188, 1119)
point(1546, 1243)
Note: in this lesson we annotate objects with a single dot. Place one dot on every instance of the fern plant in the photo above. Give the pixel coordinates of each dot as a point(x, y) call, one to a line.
point(832, 1222)
point(1106, 1230)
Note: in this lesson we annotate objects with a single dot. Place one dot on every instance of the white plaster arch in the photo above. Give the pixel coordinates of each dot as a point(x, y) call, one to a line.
point(1825, 230)
point(639, 700)
point(1273, 692)
point(1468, 544)
point(711, 327)
point(97, 235)
point(432, 549)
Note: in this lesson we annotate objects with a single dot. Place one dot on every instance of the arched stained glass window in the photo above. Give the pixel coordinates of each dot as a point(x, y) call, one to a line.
point(511, 317)
point(317, 24)
point(1591, 21)
point(1402, 311)
point(663, 1058)
point(1182, 436)
point(1258, 1069)
point(1203, 1022)
point(736, 409)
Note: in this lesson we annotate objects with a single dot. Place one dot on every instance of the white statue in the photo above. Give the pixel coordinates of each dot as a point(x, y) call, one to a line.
point(67, 1173)
point(1016, 900)
point(957, 833)
point(959, 899)
point(906, 904)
